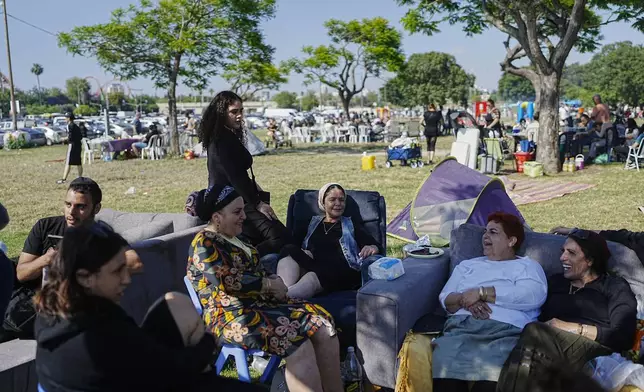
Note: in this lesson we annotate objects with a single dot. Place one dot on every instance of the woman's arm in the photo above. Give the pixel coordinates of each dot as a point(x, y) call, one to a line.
point(236, 173)
point(622, 311)
point(450, 291)
point(453, 302)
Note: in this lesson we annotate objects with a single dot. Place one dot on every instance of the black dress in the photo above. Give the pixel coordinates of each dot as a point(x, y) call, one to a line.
point(75, 149)
point(328, 262)
point(432, 122)
point(228, 163)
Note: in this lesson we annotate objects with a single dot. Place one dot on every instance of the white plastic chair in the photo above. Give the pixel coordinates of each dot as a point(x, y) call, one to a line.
point(363, 134)
point(88, 152)
point(338, 135)
point(306, 135)
point(353, 134)
point(152, 149)
point(297, 135)
point(636, 153)
point(327, 132)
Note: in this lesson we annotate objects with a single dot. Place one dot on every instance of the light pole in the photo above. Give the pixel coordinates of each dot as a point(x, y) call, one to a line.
point(14, 108)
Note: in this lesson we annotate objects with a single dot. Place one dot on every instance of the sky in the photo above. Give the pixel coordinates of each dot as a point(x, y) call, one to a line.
point(297, 23)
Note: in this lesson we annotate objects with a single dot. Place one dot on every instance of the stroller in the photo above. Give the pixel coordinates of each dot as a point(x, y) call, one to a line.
point(276, 138)
point(406, 150)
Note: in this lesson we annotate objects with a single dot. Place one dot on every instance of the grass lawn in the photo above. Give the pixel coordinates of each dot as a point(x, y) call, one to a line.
point(29, 190)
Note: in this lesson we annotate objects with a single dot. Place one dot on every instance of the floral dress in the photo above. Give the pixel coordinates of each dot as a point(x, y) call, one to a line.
point(229, 285)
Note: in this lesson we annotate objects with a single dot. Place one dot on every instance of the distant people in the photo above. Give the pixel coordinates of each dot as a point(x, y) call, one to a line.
point(138, 127)
point(221, 131)
point(431, 121)
point(75, 149)
point(152, 131)
point(632, 131)
point(532, 130)
point(600, 114)
point(82, 203)
point(191, 124)
point(493, 119)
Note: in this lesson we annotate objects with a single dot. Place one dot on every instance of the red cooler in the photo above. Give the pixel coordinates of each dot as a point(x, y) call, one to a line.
point(522, 157)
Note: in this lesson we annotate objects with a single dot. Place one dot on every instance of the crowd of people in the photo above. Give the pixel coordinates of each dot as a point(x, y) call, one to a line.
point(503, 312)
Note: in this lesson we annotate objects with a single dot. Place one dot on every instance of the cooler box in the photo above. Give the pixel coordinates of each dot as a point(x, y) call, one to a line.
point(533, 169)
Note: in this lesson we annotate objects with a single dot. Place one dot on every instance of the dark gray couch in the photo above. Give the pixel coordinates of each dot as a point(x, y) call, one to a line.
point(388, 310)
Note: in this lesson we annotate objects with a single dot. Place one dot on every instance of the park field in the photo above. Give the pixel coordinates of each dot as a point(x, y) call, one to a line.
point(29, 190)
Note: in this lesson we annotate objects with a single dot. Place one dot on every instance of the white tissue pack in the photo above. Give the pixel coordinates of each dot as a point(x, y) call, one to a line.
point(386, 268)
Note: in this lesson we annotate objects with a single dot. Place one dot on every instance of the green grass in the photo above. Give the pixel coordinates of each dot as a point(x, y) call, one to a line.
point(29, 190)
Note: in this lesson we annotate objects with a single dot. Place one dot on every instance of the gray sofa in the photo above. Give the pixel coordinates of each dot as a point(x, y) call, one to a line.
point(388, 310)
point(162, 241)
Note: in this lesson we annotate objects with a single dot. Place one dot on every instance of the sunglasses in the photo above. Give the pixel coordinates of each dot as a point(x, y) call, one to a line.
point(580, 233)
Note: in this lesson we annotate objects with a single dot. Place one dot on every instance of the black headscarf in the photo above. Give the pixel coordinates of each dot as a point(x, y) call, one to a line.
point(206, 202)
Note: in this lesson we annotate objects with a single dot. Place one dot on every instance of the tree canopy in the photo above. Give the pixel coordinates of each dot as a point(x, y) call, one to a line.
point(360, 49)
point(310, 101)
point(249, 76)
point(169, 41)
point(285, 99)
point(515, 88)
point(543, 31)
point(432, 77)
point(78, 88)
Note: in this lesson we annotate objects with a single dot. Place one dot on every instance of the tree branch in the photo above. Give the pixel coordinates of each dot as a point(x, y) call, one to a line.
point(568, 40)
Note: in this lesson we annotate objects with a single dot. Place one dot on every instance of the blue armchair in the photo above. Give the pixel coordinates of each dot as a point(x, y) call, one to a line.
point(367, 208)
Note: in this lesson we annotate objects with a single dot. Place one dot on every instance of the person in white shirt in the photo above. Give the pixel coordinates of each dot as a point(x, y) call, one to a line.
point(489, 300)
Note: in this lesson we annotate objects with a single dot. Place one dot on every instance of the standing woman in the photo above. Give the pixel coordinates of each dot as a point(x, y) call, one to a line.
point(222, 132)
point(74, 150)
point(431, 121)
point(493, 119)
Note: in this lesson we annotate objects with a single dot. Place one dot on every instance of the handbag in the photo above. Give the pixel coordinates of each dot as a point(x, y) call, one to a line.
point(20, 316)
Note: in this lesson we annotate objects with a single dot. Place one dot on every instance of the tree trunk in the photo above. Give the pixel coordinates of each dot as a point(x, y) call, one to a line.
point(172, 116)
point(39, 90)
point(548, 139)
point(346, 101)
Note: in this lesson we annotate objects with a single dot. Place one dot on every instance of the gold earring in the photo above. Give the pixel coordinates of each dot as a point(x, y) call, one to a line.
point(217, 226)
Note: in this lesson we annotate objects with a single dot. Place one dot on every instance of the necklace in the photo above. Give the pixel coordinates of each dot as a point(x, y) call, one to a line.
point(326, 231)
point(573, 289)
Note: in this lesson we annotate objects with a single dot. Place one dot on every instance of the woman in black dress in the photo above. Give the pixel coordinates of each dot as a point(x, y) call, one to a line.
point(222, 132)
point(330, 255)
point(493, 119)
point(74, 150)
point(431, 121)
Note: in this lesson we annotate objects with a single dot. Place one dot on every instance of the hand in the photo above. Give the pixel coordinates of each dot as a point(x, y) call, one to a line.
point(266, 210)
point(367, 251)
point(470, 297)
point(308, 252)
point(133, 262)
point(480, 310)
point(560, 230)
point(51, 254)
point(563, 325)
point(277, 288)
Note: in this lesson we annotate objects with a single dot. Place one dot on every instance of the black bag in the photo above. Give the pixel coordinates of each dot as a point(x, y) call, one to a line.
point(20, 316)
point(519, 370)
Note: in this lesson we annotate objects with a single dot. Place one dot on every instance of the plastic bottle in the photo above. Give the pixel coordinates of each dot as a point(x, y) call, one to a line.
point(566, 165)
point(353, 372)
point(573, 166)
point(259, 364)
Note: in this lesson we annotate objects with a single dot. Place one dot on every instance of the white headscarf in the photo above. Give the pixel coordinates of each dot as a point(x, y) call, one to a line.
point(323, 191)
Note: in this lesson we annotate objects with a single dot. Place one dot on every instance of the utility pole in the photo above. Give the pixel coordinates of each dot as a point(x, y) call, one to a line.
point(14, 107)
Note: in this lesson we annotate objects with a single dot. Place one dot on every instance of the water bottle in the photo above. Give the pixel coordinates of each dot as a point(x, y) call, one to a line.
point(259, 364)
point(353, 372)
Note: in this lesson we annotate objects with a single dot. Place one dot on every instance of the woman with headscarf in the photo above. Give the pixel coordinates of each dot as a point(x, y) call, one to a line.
point(222, 133)
point(329, 256)
point(588, 313)
point(246, 307)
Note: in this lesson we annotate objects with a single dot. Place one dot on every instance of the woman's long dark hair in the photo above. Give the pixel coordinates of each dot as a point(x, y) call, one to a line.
point(86, 248)
point(214, 118)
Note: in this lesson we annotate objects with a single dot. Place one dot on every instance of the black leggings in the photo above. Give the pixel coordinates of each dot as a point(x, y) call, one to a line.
point(431, 142)
point(453, 385)
point(160, 325)
point(268, 236)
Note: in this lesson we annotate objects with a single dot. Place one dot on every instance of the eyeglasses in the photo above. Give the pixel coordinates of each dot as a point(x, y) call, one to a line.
point(580, 233)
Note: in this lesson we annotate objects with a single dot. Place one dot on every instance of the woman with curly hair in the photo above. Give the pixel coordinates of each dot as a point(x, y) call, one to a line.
point(222, 133)
point(244, 306)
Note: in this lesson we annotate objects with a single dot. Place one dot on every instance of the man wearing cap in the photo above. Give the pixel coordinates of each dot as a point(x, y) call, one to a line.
point(75, 149)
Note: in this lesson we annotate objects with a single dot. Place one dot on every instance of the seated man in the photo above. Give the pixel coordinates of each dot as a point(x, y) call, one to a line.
point(137, 147)
point(82, 203)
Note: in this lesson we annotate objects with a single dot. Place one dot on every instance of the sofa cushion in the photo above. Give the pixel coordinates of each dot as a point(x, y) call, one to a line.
point(147, 231)
point(123, 221)
point(546, 249)
point(181, 221)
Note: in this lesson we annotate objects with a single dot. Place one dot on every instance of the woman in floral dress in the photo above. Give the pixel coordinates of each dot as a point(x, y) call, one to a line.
point(246, 307)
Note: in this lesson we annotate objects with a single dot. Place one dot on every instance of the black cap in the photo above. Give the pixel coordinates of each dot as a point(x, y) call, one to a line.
point(70, 115)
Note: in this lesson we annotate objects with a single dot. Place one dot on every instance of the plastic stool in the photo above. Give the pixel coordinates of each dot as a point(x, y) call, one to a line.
point(241, 362)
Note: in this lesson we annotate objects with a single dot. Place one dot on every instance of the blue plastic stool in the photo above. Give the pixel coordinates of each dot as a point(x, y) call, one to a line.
point(240, 355)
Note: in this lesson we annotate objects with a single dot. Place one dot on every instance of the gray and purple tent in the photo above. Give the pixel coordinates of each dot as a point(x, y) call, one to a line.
point(451, 195)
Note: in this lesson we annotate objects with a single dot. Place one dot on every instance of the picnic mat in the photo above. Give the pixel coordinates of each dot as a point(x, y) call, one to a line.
point(534, 191)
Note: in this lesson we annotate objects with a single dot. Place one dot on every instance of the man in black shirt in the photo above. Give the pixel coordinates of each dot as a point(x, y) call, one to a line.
point(630, 239)
point(82, 203)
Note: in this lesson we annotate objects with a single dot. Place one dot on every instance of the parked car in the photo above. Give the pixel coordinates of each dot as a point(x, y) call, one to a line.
point(54, 135)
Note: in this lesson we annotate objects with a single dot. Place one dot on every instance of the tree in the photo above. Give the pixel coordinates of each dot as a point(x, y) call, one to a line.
point(515, 88)
point(37, 70)
point(616, 73)
point(359, 50)
point(86, 110)
point(432, 78)
point(310, 101)
point(249, 76)
point(285, 100)
point(78, 88)
point(172, 40)
point(543, 31)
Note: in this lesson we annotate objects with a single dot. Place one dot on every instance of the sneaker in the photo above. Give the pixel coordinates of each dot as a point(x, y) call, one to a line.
point(641, 208)
point(60, 182)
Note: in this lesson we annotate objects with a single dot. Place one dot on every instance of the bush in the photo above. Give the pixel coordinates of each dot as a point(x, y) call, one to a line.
point(16, 143)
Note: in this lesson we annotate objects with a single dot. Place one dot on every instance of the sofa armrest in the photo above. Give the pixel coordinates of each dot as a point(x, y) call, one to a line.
point(386, 311)
point(164, 265)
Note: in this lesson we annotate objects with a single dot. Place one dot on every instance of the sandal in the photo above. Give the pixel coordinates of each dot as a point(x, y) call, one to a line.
point(60, 182)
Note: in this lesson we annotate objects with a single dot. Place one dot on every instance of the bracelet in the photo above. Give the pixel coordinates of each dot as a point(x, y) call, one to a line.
point(482, 294)
point(580, 329)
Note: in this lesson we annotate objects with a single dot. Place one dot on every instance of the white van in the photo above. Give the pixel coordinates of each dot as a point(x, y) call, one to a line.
point(279, 113)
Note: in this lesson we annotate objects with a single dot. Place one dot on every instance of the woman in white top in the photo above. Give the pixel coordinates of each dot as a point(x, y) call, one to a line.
point(489, 300)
